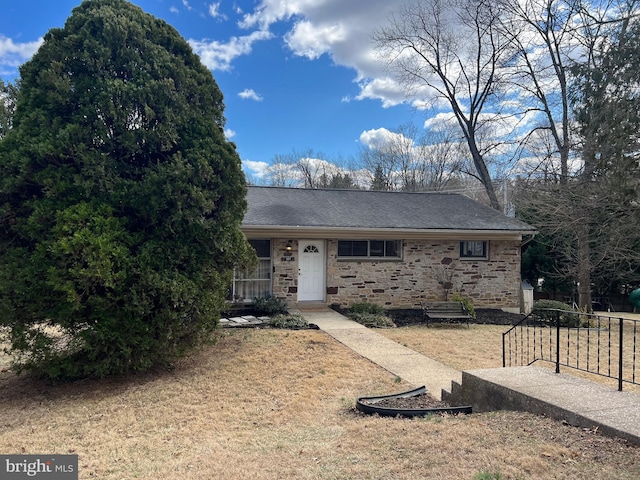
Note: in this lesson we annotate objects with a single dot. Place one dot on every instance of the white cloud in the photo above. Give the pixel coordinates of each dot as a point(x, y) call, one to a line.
point(12, 54)
point(218, 56)
point(271, 11)
point(342, 30)
point(441, 122)
point(257, 169)
point(229, 134)
point(186, 5)
point(214, 11)
point(381, 137)
point(311, 41)
point(385, 89)
point(250, 94)
point(173, 9)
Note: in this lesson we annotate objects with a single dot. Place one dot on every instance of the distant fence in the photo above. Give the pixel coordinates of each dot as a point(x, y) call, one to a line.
point(603, 345)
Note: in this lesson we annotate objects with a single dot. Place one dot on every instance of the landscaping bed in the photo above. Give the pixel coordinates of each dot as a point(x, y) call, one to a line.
point(412, 403)
point(424, 400)
point(489, 316)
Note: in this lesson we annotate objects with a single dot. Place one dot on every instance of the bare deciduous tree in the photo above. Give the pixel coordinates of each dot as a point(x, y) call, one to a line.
point(451, 52)
point(411, 161)
point(309, 169)
point(590, 215)
point(543, 38)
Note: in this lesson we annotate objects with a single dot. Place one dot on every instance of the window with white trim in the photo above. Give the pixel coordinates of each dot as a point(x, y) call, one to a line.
point(370, 249)
point(248, 285)
point(474, 249)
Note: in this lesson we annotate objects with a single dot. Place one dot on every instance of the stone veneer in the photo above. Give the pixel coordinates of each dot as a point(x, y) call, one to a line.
point(426, 266)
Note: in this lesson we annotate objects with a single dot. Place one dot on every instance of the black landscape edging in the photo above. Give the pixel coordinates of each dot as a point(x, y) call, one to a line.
point(370, 409)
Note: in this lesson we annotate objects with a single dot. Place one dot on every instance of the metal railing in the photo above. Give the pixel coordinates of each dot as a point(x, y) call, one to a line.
point(598, 344)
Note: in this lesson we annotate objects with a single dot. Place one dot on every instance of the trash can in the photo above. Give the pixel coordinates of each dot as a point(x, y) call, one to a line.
point(527, 298)
point(634, 298)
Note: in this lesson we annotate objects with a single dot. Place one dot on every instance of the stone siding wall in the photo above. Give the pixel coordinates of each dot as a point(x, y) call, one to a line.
point(426, 268)
point(285, 270)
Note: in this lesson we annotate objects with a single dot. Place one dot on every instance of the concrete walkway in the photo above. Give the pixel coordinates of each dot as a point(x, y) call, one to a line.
point(533, 389)
point(403, 362)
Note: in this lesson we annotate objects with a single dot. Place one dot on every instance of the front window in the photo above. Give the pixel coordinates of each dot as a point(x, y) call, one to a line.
point(371, 249)
point(473, 249)
point(248, 285)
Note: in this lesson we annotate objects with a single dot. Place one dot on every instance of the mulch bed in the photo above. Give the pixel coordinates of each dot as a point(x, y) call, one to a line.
point(421, 401)
point(490, 316)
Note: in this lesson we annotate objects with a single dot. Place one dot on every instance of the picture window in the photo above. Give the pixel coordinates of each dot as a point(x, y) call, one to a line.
point(370, 249)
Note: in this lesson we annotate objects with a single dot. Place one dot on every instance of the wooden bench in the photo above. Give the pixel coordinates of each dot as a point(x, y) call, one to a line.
point(446, 311)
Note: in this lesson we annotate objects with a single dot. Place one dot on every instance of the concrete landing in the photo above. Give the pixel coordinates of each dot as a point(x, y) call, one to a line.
point(564, 397)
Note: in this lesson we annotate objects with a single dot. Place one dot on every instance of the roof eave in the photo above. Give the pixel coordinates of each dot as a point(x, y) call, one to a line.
point(255, 231)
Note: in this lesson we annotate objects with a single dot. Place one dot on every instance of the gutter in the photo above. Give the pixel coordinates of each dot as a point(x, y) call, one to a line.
point(528, 240)
point(383, 233)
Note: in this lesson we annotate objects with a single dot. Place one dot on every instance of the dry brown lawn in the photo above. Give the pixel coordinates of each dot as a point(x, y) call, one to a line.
point(462, 348)
point(275, 404)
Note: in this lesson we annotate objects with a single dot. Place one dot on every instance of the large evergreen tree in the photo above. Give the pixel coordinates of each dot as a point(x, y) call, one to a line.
point(120, 198)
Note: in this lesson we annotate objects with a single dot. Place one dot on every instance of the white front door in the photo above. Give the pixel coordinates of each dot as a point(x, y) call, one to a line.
point(310, 270)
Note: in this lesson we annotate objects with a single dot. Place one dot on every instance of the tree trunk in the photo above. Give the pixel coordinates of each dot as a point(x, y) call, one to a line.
point(584, 269)
point(483, 172)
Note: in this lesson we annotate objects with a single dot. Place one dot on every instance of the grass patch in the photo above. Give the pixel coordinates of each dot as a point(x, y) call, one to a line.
point(482, 475)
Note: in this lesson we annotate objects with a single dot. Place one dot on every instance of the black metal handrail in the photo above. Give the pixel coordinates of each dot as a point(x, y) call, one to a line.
point(603, 345)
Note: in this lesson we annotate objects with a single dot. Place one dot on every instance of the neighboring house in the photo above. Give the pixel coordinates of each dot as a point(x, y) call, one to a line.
point(395, 249)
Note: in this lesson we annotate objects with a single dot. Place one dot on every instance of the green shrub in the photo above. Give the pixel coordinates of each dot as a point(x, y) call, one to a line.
point(292, 321)
point(366, 307)
point(484, 475)
point(456, 297)
point(269, 305)
point(370, 315)
point(549, 310)
point(125, 199)
point(376, 320)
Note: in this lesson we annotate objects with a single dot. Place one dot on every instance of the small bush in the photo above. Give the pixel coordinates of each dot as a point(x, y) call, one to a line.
point(370, 315)
point(549, 310)
point(376, 320)
point(366, 307)
point(269, 305)
point(456, 297)
point(292, 321)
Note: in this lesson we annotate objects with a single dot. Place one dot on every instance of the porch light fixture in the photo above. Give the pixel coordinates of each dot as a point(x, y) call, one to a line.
point(288, 247)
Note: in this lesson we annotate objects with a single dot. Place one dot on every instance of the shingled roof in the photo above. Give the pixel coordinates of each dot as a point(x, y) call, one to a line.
point(334, 210)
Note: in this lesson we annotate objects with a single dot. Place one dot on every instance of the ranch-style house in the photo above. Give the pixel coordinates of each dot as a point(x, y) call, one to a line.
point(396, 249)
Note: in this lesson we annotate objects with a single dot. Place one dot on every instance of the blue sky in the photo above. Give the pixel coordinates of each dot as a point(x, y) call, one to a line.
point(297, 75)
